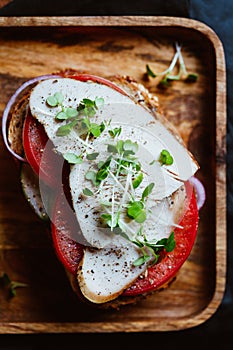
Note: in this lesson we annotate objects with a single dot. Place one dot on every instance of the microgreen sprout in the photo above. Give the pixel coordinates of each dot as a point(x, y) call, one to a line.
point(87, 192)
point(91, 129)
point(153, 247)
point(147, 191)
point(114, 132)
point(167, 75)
point(10, 285)
point(92, 156)
point(137, 181)
point(136, 209)
point(65, 129)
point(73, 158)
point(89, 107)
point(103, 170)
point(165, 158)
point(86, 109)
point(55, 99)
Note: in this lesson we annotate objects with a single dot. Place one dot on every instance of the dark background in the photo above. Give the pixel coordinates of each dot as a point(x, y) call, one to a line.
point(218, 330)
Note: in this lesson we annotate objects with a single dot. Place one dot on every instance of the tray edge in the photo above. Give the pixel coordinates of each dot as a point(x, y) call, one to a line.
point(156, 21)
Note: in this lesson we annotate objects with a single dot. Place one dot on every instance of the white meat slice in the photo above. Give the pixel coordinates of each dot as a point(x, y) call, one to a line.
point(104, 273)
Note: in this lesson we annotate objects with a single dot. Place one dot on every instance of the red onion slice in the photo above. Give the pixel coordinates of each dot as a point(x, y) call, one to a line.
point(9, 105)
point(200, 191)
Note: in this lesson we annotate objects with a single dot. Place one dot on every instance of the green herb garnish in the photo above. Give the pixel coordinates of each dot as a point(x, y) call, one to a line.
point(55, 100)
point(87, 192)
point(165, 157)
point(149, 72)
point(103, 171)
point(92, 156)
point(114, 132)
point(73, 158)
point(11, 285)
point(167, 76)
point(136, 209)
point(154, 248)
point(147, 191)
point(137, 181)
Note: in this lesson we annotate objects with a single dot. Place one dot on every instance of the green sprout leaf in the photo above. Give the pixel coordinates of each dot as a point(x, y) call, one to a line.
point(99, 101)
point(115, 132)
point(52, 101)
point(61, 116)
point(64, 130)
point(149, 72)
point(112, 149)
point(165, 157)
point(87, 192)
point(103, 171)
point(95, 129)
point(170, 243)
point(107, 218)
point(71, 112)
point(92, 156)
point(154, 248)
point(89, 107)
point(147, 191)
point(141, 260)
point(137, 181)
point(167, 76)
point(130, 146)
point(73, 158)
point(136, 211)
point(59, 97)
point(91, 176)
point(191, 77)
point(55, 100)
point(11, 285)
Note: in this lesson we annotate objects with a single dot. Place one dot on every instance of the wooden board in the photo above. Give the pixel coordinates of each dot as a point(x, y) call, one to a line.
point(31, 46)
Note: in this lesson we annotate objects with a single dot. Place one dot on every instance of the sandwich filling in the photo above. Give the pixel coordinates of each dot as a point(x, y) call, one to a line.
point(127, 179)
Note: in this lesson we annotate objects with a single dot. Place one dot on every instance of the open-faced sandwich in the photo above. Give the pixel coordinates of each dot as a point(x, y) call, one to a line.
point(113, 178)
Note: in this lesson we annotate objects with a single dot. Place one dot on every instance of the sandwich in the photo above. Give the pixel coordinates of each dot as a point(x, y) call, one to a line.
point(112, 178)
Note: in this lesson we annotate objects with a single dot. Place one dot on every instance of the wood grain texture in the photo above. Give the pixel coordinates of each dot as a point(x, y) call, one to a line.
point(31, 46)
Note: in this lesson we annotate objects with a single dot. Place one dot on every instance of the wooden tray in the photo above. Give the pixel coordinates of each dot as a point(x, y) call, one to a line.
point(31, 46)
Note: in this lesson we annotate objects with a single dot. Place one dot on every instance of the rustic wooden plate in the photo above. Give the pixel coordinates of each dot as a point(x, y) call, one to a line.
point(31, 46)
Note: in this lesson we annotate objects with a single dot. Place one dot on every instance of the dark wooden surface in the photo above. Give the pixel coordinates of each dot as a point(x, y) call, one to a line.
point(197, 110)
point(217, 330)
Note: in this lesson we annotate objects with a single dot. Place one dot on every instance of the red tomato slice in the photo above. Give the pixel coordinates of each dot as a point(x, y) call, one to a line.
point(169, 265)
point(65, 234)
point(70, 251)
point(39, 151)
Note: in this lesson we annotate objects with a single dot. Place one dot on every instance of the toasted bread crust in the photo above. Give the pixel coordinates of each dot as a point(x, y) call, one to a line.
point(120, 301)
point(15, 129)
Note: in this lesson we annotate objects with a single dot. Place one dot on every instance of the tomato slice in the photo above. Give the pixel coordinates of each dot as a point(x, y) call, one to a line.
point(70, 251)
point(65, 234)
point(166, 269)
point(39, 151)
